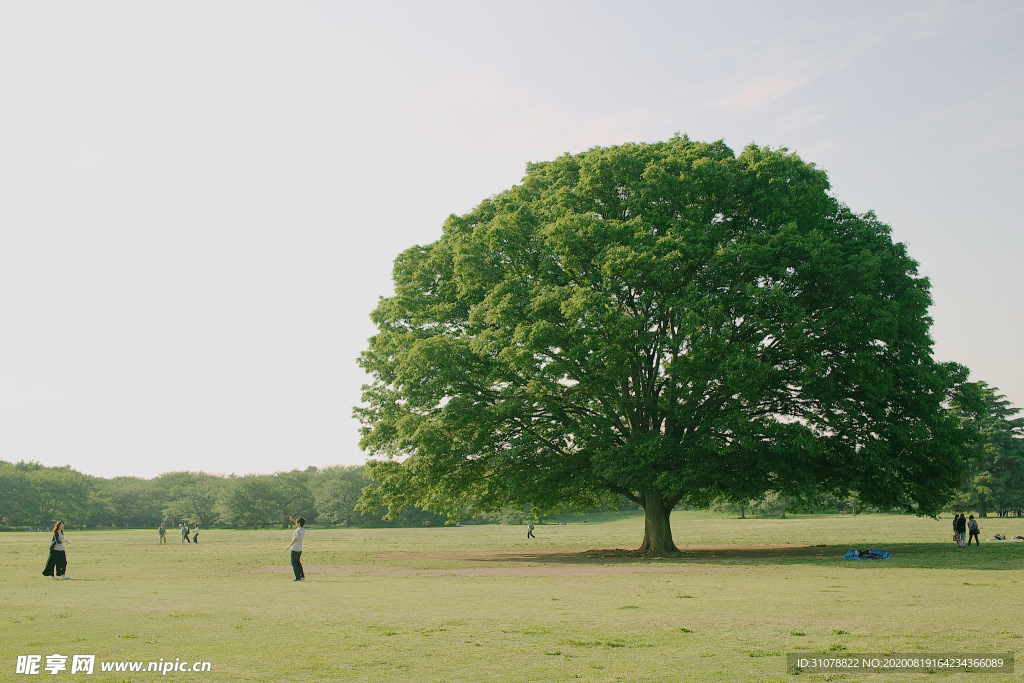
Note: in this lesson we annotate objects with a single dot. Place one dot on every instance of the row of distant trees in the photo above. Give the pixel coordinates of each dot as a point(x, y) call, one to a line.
point(32, 495)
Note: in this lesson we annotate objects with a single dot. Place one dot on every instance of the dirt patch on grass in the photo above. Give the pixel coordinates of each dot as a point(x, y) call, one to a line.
point(606, 561)
point(511, 570)
point(628, 557)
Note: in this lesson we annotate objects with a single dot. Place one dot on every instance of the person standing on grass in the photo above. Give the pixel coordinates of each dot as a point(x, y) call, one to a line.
point(961, 530)
point(296, 547)
point(57, 562)
point(529, 531)
point(972, 526)
point(195, 534)
point(163, 533)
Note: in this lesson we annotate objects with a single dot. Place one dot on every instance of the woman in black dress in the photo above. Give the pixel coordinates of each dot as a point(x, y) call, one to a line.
point(57, 562)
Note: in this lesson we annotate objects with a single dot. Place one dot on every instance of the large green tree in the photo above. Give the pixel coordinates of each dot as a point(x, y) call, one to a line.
point(670, 322)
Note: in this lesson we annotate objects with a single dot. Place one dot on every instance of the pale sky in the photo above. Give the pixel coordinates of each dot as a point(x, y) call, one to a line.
point(200, 202)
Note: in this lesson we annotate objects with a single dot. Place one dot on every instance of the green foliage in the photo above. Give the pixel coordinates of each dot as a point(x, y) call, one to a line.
point(669, 322)
point(508, 515)
point(336, 492)
point(996, 476)
point(771, 504)
point(130, 502)
point(32, 495)
point(190, 496)
point(37, 496)
point(17, 496)
point(255, 500)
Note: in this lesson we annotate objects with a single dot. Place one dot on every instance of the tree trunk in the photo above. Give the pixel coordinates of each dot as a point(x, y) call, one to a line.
point(982, 506)
point(657, 530)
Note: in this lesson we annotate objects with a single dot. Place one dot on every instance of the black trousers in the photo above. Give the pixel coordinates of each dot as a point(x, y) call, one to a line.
point(56, 564)
point(297, 564)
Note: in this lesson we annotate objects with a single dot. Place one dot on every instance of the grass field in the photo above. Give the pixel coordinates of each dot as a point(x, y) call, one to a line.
point(481, 603)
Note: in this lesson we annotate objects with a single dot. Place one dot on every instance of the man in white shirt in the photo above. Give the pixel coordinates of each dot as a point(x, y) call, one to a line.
point(296, 547)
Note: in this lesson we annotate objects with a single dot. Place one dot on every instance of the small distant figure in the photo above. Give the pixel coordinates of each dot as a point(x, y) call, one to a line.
point(296, 547)
point(57, 562)
point(195, 534)
point(529, 531)
point(163, 533)
point(972, 527)
point(183, 530)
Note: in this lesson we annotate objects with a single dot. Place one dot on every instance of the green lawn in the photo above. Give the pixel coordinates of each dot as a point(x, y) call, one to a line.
point(481, 603)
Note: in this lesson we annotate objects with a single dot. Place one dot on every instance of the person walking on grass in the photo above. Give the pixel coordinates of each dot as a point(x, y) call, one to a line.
point(296, 547)
point(163, 533)
point(972, 527)
point(961, 531)
point(195, 534)
point(529, 531)
point(57, 562)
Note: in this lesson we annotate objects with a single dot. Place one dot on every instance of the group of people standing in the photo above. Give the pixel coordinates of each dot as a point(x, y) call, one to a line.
point(961, 527)
point(183, 528)
point(184, 533)
point(57, 560)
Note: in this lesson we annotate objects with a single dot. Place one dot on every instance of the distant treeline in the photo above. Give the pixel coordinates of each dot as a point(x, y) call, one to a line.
point(34, 496)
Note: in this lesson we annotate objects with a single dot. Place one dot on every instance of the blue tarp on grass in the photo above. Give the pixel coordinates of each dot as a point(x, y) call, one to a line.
point(863, 555)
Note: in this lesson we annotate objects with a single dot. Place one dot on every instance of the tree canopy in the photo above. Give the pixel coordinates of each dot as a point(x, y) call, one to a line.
point(670, 322)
